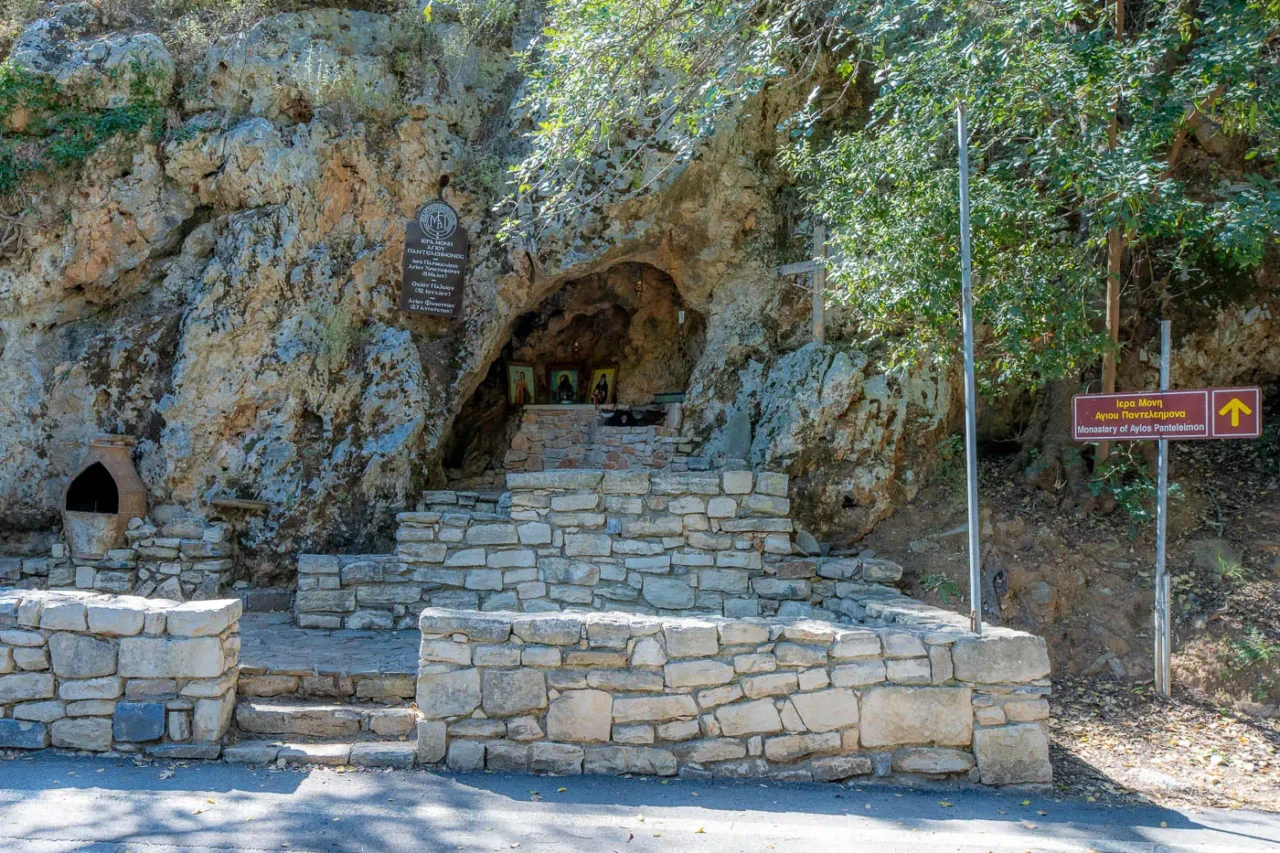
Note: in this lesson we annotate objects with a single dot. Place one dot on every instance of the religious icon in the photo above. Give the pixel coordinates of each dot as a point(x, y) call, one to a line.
point(603, 385)
point(564, 383)
point(519, 384)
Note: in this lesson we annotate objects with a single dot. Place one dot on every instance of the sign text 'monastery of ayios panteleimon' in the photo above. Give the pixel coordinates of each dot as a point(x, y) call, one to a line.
point(1203, 413)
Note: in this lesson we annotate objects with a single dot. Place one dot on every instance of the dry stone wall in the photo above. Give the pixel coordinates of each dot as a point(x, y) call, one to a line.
point(99, 672)
point(570, 693)
point(637, 541)
point(180, 559)
point(551, 437)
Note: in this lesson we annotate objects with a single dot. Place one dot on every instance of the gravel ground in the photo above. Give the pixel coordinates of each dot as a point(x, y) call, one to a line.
point(1117, 742)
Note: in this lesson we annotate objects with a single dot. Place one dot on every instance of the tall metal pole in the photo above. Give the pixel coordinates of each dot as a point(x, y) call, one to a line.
point(819, 282)
point(1163, 632)
point(970, 386)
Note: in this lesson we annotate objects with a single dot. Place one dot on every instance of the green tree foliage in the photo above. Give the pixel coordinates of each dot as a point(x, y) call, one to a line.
point(612, 81)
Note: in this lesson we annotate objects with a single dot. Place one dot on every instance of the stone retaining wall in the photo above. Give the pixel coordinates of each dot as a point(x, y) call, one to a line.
point(180, 559)
point(635, 541)
point(550, 437)
point(714, 697)
point(99, 672)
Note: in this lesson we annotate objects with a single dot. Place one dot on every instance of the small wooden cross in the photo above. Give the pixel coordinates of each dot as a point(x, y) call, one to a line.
point(817, 267)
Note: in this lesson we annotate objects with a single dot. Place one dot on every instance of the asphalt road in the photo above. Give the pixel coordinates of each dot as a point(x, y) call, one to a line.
point(61, 803)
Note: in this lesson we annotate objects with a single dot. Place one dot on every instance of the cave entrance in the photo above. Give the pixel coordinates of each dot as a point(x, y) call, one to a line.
point(600, 366)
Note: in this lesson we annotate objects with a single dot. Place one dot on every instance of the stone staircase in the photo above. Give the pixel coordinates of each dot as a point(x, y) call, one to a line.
point(300, 731)
point(324, 697)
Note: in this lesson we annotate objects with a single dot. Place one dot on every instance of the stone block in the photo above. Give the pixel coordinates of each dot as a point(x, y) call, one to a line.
point(504, 655)
point(697, 673)
point(796, 654)
point(827, 710)
point(769, 483)
point(25, 686)
point(317, 564)
point(759, 504)
point(1028, 711)
point(790, 747)
point(490, 579)
point(856, 644)
point(431, 741)
point(753, 663)
point(445, 651)
point(836, 768)
point(771, 684)
point(877, 570)
point(211, 718)
point(321, 754)
point(859, 673)
point(109, 687)
point(749, 718)
point(648, 652)
point(63, 616)
point(561, 759)
point(932, 760)
point(679, 730)
point(516, 558)
point(383, 754)
point(466, 558)
point(23, 734)
point(534, 533)
point(422, 552)
point(638, 735)
point(477, 728)
point(648, 709)
point(691, 639)
point(121, 617)
point(179, 725)
point(660, 564)
point(917, 715)
point(31, 660)
point(137, 722)
point(901, 644)
point(1015, 754)
point(667, 593)
point(560, 478)
point(548, 630)
point(588, 545)
point(465, 756)
point(625, 681)
point(478, 627)
point(641, 760)
point(524, 729)
point(512, 691)
point(778, 589)
point(661, 525)
point(153, 657)
point(581, 716)
point(91, 708)
point(45, 711)
point(322, 600)
point(740, 560)
point(505, 757)
point(557, 570)
point(492, 534)
point(448, 694)
point(909, 671)
point(80, 656)
point(756, 525)
point(733, 581)
point(997, 658)
point(203, 618)
point(88, 733)
point(251, 752)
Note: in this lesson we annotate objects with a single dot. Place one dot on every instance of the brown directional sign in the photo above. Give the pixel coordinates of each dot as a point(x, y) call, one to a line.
point(1178, 415)
point(435, 262)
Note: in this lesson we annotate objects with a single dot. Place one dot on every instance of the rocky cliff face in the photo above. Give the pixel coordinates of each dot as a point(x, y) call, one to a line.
point(226, 289)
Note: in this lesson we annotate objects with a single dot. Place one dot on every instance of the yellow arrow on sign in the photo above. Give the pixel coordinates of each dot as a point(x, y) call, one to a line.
point(1234, 407)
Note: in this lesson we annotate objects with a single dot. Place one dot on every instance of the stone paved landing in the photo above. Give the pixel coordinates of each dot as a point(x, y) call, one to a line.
point(272, 643)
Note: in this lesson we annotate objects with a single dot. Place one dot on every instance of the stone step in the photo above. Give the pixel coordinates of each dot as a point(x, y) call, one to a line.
point(318, 720)
point(368, 753)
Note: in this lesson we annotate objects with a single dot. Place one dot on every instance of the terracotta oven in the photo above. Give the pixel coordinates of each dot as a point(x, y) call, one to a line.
point(104, 494)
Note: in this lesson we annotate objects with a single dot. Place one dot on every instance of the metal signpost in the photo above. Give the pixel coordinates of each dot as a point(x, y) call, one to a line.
point(1207, 413)
point(970, 387)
